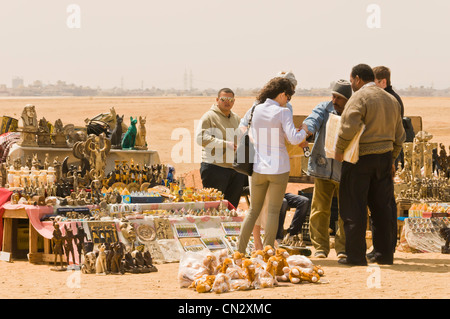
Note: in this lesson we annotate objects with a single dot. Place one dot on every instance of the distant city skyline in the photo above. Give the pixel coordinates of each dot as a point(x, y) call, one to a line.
point(212, 44)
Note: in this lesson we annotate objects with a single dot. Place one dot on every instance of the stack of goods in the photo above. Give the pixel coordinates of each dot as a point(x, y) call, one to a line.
point(424, 234)
point(220, 272)
point(424, 210)
point(424, 175)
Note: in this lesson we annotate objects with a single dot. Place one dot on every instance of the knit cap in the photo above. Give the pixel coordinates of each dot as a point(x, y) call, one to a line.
point(342, 88)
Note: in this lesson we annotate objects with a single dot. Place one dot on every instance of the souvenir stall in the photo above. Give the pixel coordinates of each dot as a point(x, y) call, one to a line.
point(422, 190)
point(97, 191)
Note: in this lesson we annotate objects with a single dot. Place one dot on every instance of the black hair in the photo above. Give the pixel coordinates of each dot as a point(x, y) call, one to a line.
point(364, 72)
point(226, 90)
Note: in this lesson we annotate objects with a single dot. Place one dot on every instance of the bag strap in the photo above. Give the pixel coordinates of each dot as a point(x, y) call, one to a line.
point(251, 116)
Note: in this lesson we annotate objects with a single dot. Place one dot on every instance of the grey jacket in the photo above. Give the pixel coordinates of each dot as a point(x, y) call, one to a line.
point(318, 165)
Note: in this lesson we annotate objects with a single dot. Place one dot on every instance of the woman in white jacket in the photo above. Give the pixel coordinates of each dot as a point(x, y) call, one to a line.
point(271, 124)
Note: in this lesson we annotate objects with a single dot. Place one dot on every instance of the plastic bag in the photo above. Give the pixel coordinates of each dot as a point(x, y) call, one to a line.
point(192, 267)
point(221, 284)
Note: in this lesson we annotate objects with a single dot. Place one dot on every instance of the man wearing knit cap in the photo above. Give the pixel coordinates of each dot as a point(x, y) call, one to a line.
point(368, 182)
point(326, 172)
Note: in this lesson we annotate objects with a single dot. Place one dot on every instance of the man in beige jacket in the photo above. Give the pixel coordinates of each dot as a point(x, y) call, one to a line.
point(368, 183)
point(218, 138)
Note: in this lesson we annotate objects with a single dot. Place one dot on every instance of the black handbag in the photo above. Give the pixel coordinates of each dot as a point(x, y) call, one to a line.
point(245, 152)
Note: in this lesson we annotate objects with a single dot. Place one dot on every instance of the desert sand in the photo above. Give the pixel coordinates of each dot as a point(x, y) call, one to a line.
point(417, 276)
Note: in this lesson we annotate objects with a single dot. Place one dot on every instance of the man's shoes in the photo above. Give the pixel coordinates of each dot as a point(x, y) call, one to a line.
point(341, 255)
point(320, 254)
point(376, 258)
point(379, 262)
point(344, 261)
point(371, 254)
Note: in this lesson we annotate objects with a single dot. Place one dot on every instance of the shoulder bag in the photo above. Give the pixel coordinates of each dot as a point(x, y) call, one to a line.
point(245, 152)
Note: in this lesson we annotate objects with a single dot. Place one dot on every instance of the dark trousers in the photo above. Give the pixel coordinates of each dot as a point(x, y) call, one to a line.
point(226, 180)
point(394, 216)
point(300, 203)
point(368, 183)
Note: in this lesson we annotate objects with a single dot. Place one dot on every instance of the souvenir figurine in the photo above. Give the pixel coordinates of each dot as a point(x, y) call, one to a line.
point(58, 244)
point(129, 139)
point(29, 127)
point(116, 136)
point(141, 143)
point(79, 241)
point(68, 244)
point(58, 135)
point(43, 134)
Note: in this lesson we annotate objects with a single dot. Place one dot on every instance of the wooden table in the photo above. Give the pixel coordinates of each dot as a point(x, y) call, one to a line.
point(34, 256)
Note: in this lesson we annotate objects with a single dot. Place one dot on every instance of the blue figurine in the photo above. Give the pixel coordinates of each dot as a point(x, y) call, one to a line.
point(130, 136)
point(170, 175)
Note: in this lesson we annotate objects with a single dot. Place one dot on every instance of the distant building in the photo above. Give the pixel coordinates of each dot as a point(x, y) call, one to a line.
point(17, 82)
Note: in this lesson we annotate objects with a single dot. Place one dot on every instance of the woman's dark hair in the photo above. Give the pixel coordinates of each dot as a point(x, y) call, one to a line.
point(274, 87)
point(364, 72)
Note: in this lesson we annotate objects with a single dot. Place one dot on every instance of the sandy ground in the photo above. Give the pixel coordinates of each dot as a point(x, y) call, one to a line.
point(412, 276)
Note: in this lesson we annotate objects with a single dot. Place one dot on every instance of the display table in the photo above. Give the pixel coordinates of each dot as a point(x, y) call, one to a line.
point(148, 157)
point(164, 236)
point(34, 215)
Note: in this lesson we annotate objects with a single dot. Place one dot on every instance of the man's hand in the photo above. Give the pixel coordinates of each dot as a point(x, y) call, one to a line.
point(304, 144)
point(339, 156)
point(305, 128)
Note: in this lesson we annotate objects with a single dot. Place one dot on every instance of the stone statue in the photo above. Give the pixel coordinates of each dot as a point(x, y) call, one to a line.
point(44, 138)
point(58, 136)
point(29, 128)
point(141, 143)
point(29, 117)
point(97, 148)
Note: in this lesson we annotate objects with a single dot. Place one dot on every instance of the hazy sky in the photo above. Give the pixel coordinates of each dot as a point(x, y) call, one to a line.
point(224, 43)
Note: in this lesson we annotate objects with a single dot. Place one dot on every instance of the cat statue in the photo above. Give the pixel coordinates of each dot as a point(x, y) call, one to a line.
point(116, 136)
point(141, 143)
point(129, 139)
point(100, 263)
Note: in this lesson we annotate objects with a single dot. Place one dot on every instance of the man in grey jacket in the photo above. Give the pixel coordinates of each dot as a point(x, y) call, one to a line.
point(326, 173)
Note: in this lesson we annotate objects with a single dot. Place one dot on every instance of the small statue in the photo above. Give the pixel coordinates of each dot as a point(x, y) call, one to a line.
point(116, 260)
point(68, 245)
point(116, 136)
point(97, 153)
point(139, 261)
point(100, 262)
point(141, 143)
point(58, 135)
point(88, 266)
point(58, 244)
point(129, 139)
point(29, 128)
point(79, 241)
point(149, 262)
point(44, 138)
